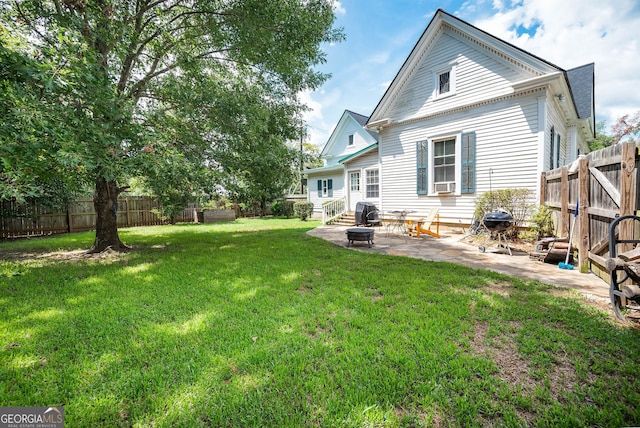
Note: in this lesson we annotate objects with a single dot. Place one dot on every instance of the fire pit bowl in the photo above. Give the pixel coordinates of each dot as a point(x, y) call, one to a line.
point(359, 234)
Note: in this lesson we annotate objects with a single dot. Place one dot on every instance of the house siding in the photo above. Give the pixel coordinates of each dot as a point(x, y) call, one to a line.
point(312, 186)
point(478, 76)
point(363, 163)
point(505, 96)
point(339, 146)
point(506, 143)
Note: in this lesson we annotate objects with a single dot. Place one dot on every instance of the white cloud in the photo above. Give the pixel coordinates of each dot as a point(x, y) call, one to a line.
point(338, 8)
point(577, 32)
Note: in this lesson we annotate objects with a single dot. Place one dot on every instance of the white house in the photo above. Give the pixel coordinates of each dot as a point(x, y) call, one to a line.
point(351, 169)
point(468, 112)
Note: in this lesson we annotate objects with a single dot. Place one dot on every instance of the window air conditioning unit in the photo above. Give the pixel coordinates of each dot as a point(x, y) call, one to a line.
point(445, 187)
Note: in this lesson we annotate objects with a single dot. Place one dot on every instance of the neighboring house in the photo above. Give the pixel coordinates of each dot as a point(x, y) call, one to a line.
point(467, 113)
point(351, 168)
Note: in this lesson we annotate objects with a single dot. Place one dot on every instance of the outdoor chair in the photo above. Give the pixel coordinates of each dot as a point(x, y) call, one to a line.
point(424, 224)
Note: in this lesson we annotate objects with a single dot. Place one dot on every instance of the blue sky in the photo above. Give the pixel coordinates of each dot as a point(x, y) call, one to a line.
point(381, 33)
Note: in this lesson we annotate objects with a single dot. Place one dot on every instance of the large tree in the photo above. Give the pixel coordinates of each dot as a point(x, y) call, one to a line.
point(165, 89)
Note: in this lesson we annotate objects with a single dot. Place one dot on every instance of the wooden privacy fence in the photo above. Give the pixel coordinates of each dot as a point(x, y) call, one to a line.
point(605, 183)
point(32, 219)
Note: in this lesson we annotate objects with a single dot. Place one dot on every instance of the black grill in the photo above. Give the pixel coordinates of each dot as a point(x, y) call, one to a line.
point(498, 221)
point(367, 214)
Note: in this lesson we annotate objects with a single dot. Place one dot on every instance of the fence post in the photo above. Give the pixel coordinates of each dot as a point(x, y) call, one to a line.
point(627, 194)
point(126, 201)
point(69, 219)
point(564, 198)
point(583, 215)
point(543, 188)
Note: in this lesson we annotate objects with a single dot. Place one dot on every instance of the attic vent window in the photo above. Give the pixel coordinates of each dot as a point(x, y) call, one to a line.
point(351, 140)
point(444, 82)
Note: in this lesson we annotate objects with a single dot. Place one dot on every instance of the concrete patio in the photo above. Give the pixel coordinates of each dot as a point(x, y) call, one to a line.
point(448, 248)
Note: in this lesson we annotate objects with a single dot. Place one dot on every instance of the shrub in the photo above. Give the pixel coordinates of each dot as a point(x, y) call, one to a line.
point(282, 208)
point(541, 222)
point(303, 210)
point(515, 201)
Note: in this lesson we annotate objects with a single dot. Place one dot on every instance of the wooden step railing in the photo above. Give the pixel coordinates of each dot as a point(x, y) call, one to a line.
point(333, 209)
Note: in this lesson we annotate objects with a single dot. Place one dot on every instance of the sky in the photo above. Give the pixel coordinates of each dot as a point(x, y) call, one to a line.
point(380, 34)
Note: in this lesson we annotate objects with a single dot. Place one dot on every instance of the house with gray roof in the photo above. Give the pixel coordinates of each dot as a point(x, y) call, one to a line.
point(350, 173)
point(466, 113)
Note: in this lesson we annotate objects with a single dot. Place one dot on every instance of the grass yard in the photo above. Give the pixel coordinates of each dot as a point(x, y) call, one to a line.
point(254, 323)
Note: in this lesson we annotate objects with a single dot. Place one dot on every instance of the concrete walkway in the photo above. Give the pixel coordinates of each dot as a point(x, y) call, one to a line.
point(450, 249)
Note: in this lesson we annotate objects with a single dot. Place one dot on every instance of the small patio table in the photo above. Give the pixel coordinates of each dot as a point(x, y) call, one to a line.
point(397, 221)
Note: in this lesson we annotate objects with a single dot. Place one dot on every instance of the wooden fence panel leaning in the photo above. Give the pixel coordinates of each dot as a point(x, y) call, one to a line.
point(605, 183)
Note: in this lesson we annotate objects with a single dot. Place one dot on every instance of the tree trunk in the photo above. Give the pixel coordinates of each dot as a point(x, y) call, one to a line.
point(105, 202)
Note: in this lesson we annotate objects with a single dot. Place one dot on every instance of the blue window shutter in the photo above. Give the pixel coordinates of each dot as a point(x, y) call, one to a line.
point(558, 138)
point(319, 188)
point(422, 166)
point(330, 188)
point(552, 148)
point(468, 163)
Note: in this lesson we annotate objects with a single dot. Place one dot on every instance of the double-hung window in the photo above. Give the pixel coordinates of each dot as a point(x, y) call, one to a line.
point(373, 183)
point(446, 165)
point(444, 161)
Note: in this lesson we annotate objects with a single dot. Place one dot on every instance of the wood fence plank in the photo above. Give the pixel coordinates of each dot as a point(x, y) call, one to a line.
point(606, 184)
point(583, 215)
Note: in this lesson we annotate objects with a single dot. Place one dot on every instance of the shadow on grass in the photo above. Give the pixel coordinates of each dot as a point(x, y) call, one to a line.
point(229, 327)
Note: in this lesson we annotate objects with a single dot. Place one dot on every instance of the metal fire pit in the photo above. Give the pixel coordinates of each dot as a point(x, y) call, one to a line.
point(497, 222)
point(359, 234)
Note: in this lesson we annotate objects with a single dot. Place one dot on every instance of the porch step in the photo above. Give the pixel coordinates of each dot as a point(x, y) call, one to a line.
point(347, 219)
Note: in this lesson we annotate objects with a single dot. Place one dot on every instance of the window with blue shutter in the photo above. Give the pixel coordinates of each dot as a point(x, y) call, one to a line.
point(558, 139)
point(468, 175)
point(552, 148)
point(319, 188)
point(421, 168)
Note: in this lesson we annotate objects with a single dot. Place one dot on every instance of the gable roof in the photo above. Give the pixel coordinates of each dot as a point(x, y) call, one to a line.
point(579, 81)
point(359, 152)
point(360, 119)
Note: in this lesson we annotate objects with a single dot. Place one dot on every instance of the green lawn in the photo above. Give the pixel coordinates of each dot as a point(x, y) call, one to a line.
point(254, 323)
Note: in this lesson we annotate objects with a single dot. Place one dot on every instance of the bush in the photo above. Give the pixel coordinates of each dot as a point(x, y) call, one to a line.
point(541, 222)
point(515, 201)
point(304, 210)
point(282, 208)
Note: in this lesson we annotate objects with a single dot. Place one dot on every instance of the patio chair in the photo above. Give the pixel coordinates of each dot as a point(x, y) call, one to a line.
point(423, 225)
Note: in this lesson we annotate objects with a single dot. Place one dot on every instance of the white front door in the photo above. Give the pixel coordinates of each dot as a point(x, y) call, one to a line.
point(355, 189)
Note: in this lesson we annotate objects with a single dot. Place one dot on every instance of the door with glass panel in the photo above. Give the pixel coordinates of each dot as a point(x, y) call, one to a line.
point(355, 189)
